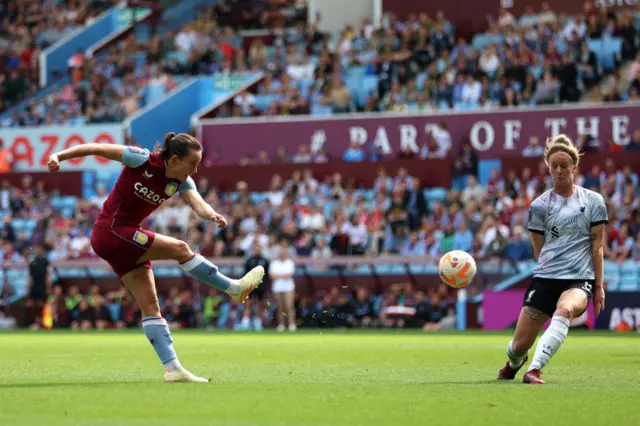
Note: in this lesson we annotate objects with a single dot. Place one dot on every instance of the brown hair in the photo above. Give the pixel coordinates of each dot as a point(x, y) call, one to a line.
point(561, 143)
point(180, 145)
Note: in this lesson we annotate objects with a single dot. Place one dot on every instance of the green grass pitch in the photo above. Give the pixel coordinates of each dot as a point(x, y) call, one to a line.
point(313, 378)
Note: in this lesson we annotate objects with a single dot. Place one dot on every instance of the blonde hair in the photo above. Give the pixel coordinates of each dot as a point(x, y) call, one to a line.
point(561, 143)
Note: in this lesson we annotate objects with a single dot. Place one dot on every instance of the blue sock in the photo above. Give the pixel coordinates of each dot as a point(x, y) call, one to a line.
point(203, 270)
point(157, 331)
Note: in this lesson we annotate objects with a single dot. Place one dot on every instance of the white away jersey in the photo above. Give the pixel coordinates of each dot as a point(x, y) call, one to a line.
point(566, 225)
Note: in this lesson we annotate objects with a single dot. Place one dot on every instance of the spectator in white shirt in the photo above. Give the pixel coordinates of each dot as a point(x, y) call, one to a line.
point(495, 230)
point(357, 236)
point(546, 16)
point(506, 19)
point(281, 271)
point(575, 29)
point(187, 39)
point(246, 101)
point(302, 69)
point(489, 61)
point(313, 220)
point(471, 90)
point(472, 191)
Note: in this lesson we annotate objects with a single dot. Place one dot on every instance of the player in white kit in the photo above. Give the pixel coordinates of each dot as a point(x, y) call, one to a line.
point(567, 232)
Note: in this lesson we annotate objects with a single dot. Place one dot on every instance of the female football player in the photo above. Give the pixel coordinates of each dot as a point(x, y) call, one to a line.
point(567, 231)
point(147, 180)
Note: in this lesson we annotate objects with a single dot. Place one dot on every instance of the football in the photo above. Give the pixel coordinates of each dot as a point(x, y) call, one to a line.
point(457, 269)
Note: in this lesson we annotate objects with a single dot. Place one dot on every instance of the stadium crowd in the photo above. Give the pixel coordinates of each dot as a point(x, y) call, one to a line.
point(542, 57)
point(321, 219)
point(30, 26)
point(129, 74)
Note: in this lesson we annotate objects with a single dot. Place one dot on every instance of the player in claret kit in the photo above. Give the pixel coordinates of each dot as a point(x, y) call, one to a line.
point(567, 232)
point(147, 180)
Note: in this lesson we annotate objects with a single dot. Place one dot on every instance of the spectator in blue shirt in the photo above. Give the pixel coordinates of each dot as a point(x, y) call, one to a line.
point(354, 153)
point(414, 247)
point(463, 238)
point(519, 247)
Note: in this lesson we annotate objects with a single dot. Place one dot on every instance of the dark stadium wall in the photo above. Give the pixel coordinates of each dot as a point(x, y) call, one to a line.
point(470, 16)
point(68, 183)
point(432, 173)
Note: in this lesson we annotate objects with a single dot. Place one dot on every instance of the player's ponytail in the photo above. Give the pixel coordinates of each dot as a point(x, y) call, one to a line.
point(561, 143)
point(180, 145)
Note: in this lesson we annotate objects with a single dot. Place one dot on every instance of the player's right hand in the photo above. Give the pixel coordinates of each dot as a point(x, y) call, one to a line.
point(54, 163)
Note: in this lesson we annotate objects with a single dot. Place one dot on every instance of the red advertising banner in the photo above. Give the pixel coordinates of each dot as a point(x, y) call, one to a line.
point(497, 133)
point(32, 146)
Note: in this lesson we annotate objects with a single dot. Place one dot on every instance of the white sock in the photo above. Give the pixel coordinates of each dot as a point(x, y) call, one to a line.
point(515, 361)
point(173, 365)
point(550, 342)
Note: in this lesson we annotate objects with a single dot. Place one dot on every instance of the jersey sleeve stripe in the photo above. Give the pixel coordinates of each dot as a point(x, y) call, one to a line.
point(599, 222)
point(537, 231)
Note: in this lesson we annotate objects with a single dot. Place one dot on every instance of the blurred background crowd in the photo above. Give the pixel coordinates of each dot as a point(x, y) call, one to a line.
point(418, 64)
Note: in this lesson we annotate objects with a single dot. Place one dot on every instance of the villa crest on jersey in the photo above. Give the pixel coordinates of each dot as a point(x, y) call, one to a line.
point(141, 188)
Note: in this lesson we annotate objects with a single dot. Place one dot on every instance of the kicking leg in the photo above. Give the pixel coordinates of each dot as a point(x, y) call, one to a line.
point(141, 284)
point(529, 324)
point(572, 303)
point(164, 247)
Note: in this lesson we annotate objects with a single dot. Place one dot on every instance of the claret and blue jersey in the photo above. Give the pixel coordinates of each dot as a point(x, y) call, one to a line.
point(141, 188)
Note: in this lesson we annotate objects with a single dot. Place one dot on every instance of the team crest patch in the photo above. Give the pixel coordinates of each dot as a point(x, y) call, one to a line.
point(171, 188)
point(140, 238)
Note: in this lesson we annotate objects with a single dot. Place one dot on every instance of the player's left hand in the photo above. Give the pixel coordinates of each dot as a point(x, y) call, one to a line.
point(598, 300)
point(220, 220)
point(54, 163)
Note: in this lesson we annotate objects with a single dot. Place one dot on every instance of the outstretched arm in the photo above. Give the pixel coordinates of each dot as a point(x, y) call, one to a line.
point(199, 205)
point(109, 151)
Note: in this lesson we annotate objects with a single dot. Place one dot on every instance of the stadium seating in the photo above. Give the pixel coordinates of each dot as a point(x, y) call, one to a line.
point(131, 69)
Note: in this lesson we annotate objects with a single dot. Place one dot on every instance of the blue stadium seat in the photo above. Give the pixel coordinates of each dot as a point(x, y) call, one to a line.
point(383, 269)
point(178, 55)
point(417, 268)
point(101, 273)
point(420, 79)
point(358, 270)
point(259, 197)
point(484, 170)
point(611, 52)
point(613, 284)
point(431, 269)
point(304, 85)
point(263, 101)
point(321, 110)
point(155, 93)
point(72, 273)
point(88, 178)
point(436, 194)
point(357, 71)
point(629, 268)
point(369, 85)
point(629, 283)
